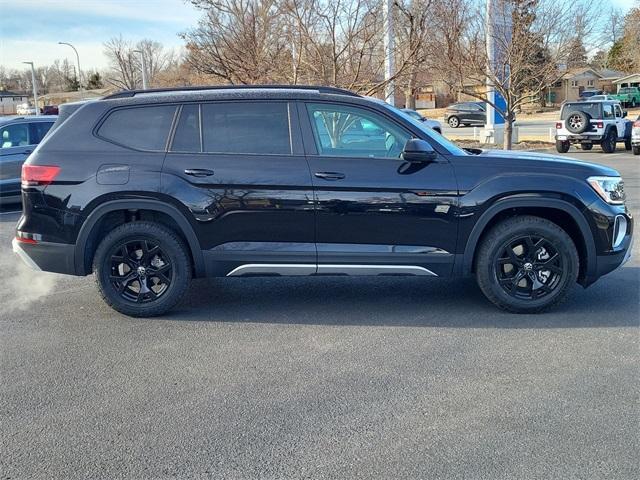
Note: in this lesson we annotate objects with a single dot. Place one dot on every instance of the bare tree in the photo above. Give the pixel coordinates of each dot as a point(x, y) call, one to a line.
point(125, 62)
point(524, 67)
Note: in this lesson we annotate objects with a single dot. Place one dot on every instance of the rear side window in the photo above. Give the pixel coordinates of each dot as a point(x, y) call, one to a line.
point(246, 127)
point(142, 128)
point(16, 135)
point(39, 130)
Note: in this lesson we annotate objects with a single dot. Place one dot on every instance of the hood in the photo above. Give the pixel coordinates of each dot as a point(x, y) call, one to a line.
point(544, 161)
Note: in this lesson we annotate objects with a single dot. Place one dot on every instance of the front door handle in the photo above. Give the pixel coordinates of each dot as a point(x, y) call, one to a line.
point(198, 172)
point(330, 175)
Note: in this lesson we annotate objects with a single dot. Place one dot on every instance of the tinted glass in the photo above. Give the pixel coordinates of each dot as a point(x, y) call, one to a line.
point(592, 109)
point(39, 130)
point(245, 127)
point(342, 131)
point(16, 135)
point(187, 136)
point(144, 128)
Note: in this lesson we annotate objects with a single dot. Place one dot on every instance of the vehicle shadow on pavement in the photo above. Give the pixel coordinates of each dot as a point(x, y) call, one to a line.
point(614, 301)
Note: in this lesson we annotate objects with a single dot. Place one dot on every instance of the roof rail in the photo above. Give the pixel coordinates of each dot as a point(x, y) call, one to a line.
point(321, 89)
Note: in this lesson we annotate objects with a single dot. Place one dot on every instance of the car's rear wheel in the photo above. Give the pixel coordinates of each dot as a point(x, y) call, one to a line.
point(609, 142)
point(586, 146)
point(454, 122)
point(562, 146)
point(526, 264)
point(636, 149)
point(142, 269)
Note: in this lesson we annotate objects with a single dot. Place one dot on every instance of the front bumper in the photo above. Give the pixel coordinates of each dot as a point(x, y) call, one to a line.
point(46, 256)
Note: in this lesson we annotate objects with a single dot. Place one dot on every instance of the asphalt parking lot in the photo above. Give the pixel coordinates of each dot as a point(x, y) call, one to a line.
point(320, 378)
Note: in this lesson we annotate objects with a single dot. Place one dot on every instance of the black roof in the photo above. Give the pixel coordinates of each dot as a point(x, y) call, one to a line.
point(213, 88)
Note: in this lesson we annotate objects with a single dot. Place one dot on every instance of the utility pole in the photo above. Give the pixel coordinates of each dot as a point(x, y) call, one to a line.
point(144, 68)
point(35, 87)
point(389, 67)
point(79, 69)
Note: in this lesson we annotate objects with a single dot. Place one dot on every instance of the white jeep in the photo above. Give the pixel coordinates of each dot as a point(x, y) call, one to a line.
point(588, 123)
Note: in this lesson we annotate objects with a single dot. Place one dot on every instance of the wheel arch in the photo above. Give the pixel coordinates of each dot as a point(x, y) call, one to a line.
point(559, 211)
point(167, 214)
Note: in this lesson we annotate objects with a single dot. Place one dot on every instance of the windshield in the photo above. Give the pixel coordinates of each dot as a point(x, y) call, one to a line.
point(626, 90)
point(592, 109)
point(451, 147)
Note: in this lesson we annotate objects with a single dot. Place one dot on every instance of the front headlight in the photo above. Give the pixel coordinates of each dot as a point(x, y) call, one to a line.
point(611, 189)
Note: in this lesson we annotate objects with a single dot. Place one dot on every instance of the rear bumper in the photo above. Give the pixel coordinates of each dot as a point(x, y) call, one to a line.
point(46, 256)
point(579, 138)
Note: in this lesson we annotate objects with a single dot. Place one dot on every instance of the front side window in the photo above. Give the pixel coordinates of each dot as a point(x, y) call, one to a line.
point(141, 128)
point(618, 111)
point(342, 131)
point(246, 128)
point(16, 135)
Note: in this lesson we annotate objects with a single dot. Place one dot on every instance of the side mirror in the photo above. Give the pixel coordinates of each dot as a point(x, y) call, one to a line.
point(624, 113)
point(417, 150)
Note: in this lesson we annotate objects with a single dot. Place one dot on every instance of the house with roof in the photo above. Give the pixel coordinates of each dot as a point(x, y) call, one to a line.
point(573, 82)
point(9, 101)
point(632, 80)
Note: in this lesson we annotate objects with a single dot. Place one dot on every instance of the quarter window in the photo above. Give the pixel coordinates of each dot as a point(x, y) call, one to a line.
point(342, 131)
point(187, 136)
point(246, 127)
point(142, 128)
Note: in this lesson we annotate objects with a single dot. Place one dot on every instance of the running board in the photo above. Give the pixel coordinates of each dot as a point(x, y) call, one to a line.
point(294, 269)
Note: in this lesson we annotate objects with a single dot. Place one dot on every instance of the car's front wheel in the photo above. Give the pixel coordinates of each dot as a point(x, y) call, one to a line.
point(636, 149)
point(526, 264)
point(627, 144)
point(586, 146)
point(142, 269)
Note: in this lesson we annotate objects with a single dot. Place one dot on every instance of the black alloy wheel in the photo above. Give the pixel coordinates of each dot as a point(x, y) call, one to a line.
point(140, 271)
point(609, 142)
point(528, 267)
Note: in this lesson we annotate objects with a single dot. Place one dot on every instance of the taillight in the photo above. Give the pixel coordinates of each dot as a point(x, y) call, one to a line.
point(558, 125)
point(38, 175)
point(600, 125)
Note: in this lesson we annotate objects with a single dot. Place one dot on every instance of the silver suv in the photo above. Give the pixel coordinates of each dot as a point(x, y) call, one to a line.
point(18, 138)
point(593, 122)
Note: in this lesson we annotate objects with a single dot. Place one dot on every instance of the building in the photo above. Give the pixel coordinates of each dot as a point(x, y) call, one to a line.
point(10, 100)
point(632, 80)
point(573, 82)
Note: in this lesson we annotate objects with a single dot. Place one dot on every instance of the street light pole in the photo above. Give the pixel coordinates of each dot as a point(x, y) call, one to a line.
point(144, 69)
point(35, 87)
point(79, 70)
point(389, 67)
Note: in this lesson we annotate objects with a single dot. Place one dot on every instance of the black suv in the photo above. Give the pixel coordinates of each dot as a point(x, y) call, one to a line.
point(149, 189)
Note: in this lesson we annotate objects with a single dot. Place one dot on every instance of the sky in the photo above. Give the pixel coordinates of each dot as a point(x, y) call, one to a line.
point(31, 29)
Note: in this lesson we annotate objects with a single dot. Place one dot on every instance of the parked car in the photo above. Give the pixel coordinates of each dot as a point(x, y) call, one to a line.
point(635, 136)
point(434, 124)
point(18, 138)
point(25, 109)
point(50, 110)
point(466, 113)
point(602, 98)
point(148, 189)
point(628, 96)
point(587, 94)
point(592, 123)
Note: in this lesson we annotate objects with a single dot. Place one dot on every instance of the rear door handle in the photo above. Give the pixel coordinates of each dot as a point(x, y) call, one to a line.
point(198, 172)
point(330, 175)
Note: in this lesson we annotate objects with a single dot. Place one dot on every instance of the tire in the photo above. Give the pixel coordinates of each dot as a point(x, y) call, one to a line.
point(578, 122)
point(609, 142)
point(134, 252)
point(562, 146)
point(636, 149)
point(627, 144)
point(586, 146)
point(550, 247)
point(453, 121)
